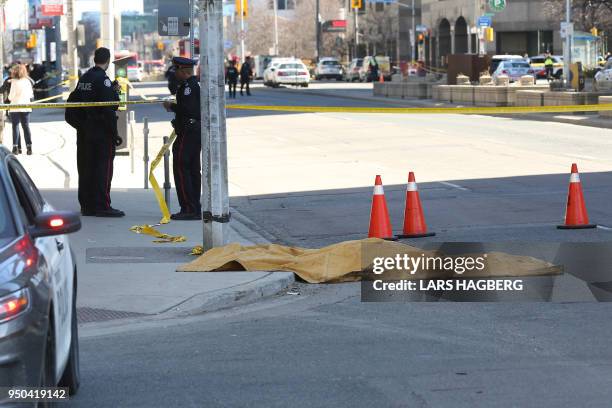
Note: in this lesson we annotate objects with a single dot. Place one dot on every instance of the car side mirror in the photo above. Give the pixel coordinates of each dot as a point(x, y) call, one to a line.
point(55, 223)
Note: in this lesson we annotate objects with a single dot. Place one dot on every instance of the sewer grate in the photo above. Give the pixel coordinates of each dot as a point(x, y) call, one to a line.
point(90, 314)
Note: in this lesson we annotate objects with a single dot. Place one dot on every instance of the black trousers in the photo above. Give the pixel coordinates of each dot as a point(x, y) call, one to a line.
point(232, 88)
point(95, 156)
point(248, 89)
point(186, 153)
point(549, 73)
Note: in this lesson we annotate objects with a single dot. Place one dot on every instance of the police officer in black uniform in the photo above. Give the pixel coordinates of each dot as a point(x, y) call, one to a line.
point(187, 146)
point(97, 137)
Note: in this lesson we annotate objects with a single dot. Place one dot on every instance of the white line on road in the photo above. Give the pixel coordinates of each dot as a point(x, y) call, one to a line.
point(603, 227)
point(458, 187)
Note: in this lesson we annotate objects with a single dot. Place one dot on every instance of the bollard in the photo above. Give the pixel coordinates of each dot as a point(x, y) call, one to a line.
point(145, 158)
point(167, 174)
point(132, 120)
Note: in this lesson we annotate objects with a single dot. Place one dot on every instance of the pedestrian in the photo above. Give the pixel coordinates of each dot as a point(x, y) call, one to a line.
point(549, 66)
point(246, 74)
point(231, 78)
point(21, 92)
point(97, 137)
point(187, 146)
point(373, 69)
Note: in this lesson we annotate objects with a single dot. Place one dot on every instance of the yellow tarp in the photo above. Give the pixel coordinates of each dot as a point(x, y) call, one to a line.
point(343, 262)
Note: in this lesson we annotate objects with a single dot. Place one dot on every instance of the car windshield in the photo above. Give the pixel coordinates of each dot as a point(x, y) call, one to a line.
point(537, 60)
point(7, 227)
point(330, 63)
point(520, 65)
point(290, 66)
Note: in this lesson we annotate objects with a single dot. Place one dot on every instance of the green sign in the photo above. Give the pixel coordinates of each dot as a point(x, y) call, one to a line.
point(497, 5)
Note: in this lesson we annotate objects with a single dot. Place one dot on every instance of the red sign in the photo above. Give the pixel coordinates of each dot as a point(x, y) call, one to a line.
point(338, 23)
point(52, 8)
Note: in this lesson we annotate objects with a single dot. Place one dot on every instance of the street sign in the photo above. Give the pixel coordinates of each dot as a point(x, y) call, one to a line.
point(173, 18)
point(334, 26)
point(421, 28)
point(242, 35)
point(567, 29)
point(485, 21)
point(497, 5)
point(52, 7)
point(227, 44)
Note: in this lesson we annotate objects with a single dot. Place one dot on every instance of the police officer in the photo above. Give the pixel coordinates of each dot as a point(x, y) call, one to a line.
point(187, 146)
point(231, 77)
point(97, 137)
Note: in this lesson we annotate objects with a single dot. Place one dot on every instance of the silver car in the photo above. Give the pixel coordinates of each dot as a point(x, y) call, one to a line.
point(513, 69)
point(329, 68)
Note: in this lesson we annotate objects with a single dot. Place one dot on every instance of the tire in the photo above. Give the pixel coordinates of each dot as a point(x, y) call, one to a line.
point(47, 371)
point(71, 377)
point(304, 85)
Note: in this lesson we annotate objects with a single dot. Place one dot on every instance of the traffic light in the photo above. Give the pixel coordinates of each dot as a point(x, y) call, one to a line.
point(358, 5)
point(489, 34)
point(421, 38)
point(160, 45)
point(242, 6)
point(31, 42)
point(594, 31)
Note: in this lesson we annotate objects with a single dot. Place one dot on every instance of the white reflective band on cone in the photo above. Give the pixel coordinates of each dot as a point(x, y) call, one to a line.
point(412, 186)
point(378, 190)
point(575, 178)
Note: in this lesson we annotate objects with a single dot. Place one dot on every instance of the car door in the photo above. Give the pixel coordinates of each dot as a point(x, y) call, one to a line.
point(57, 255)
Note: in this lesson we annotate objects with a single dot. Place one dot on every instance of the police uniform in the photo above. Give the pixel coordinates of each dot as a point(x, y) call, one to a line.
point(97, 137)
point(231, 77)
point(186, 150)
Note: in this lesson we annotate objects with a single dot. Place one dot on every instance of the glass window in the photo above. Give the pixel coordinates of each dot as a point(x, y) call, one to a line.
point(20, 176)
point(7, 225)
point(330, 63)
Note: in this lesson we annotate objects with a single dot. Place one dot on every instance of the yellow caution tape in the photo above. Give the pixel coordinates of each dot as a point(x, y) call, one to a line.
point(49, 98)
point(163, 206)
point(163, 238)
point(75, 104)
point(445, 110)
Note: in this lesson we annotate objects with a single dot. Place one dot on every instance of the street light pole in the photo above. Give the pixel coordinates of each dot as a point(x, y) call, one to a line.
point(318, 31)
point(71, 44)
point(214, 199)
point(414, 41)
point(242, 34)
point(567, 50)
point(274, 2)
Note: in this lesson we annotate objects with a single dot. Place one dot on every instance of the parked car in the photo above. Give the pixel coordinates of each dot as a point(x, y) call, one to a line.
point(289, 73)
point(268, 73)
point(514, 69)
point(537, 63)
point(352, 73)
point(329, 68)
point(38, 280)
point(497, 59)
point(603, 79)
point(384, 68)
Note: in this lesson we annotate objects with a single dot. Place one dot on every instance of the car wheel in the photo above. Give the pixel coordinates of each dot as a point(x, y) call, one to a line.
point(71, 377)
point(305, 85)
point(47, 372)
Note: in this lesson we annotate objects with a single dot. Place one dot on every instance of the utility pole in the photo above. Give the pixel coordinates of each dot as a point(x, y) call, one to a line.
point(414, 34)
point(242, 33)
point(191, 30)
point(72, 49)
point(275, 3)
point(318, 31)
point(58, 46)
point(107, 31)
point(567, 44)
point(214, 199)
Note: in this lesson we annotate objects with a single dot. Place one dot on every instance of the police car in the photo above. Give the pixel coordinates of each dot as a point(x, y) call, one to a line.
point(38, 281)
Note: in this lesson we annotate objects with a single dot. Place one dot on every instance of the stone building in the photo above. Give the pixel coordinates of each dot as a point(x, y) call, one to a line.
point(523, 27)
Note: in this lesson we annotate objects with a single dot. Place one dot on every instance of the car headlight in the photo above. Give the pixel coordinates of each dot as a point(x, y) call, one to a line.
point(14, 304)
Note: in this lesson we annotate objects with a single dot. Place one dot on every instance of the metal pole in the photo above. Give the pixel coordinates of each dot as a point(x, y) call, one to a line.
point(567, 50)
point(107, 32)
point(145, 157)
point(2, 3)
point(275, 26)
point(215, 199)
point(167, 185)
point(242, 33)
point(132, 120)
point(318, 31)
point(72, 49)
point(58, 47)
point(414, 34)
point(191, 30)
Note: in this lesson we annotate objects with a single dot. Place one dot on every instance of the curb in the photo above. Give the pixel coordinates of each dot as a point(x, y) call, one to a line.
point(269, 285)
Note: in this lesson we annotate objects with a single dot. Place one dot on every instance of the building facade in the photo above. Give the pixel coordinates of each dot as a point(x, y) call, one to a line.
point(522, 27)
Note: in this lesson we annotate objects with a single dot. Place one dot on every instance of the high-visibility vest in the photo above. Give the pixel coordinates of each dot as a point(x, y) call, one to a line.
point(548, 62)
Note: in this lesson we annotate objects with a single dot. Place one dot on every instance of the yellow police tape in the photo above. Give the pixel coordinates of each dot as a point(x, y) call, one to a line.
point(444, 110)
point(163, 206)
point(62, 95)
point(75, 104)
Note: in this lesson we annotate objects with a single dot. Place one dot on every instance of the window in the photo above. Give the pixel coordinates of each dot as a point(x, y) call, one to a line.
point(282, 4)
point(7, 227)
point(29, 196)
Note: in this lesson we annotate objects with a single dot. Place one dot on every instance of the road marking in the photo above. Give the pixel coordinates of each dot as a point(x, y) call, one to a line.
point(458, 187)
point(603, 227)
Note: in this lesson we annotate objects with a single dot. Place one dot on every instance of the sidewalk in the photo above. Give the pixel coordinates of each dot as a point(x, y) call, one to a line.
point(123, 274)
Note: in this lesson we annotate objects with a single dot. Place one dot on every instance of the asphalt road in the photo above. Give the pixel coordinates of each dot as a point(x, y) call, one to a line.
point(324, 348)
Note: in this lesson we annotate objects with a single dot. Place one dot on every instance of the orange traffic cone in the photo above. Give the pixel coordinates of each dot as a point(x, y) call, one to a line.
point(576, 216)
point(381, 78)
point(414, 220)
point(380, 224)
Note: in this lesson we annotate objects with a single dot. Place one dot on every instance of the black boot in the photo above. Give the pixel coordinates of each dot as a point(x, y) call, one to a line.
point(29, 150)
point(15, 149)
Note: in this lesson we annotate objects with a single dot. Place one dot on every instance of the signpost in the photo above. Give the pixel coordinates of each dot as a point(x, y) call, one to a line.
point(173, 18)
point(485, 21)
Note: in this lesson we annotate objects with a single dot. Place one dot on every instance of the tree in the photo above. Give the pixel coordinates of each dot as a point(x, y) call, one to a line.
point(586, 14)
point(380, 29)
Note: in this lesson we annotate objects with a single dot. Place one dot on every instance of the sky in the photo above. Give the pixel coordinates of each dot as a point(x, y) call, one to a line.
point(16, 9)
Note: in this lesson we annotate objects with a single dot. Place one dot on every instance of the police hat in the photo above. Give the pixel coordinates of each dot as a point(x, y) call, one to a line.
point(183, 62)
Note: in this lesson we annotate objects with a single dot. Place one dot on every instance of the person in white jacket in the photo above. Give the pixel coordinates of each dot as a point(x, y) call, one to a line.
point(21, 92)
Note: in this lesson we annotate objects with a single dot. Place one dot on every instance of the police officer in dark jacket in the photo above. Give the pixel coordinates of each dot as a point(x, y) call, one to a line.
point(97, 137)
point(187, 146)
point(246, 74)
point(231, 77)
